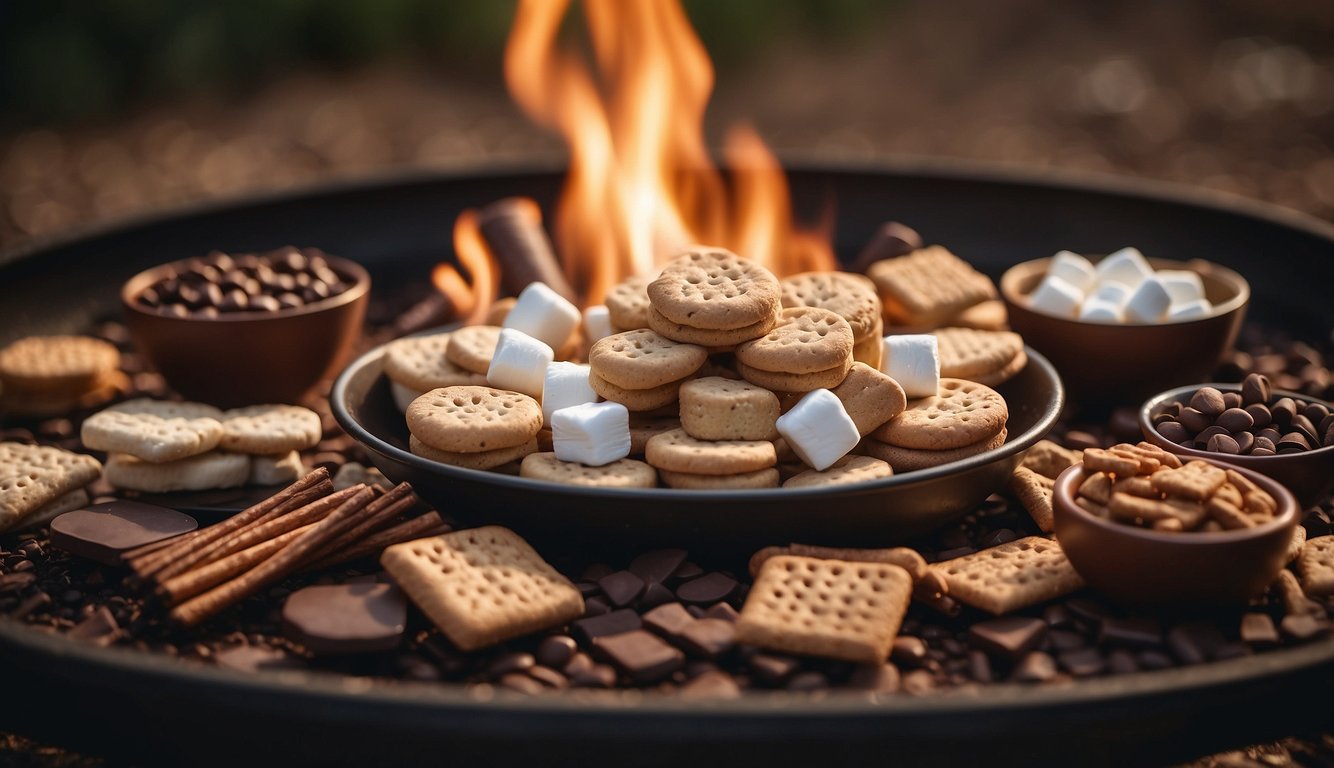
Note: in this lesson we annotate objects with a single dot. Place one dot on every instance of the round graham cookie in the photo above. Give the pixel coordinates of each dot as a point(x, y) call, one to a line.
point(474, 419)
point(475, 460)
point(795, 382)
point(643, 359)
point(645, 426)
point(635, 399)
point(909, 459)
point(715, 408)
point(676, 451)
point(1011, 369)
point(714, 289)
point(987, 315)
point(67, 364)
point(627, 304)
point(714, 341)
point(419, 363)
point(870, 397)
point(847, 470)
point(967, 353)
point(805, 340)
point(963, 413)
point(760, 478)
point(154, 430)
point(852, 296)
point(622, 473)
point(472, 347)
point(270, 429)
point(37, 404)
point(871, 349)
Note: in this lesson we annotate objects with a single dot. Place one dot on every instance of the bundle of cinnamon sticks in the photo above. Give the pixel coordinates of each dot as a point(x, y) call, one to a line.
point(306, 526)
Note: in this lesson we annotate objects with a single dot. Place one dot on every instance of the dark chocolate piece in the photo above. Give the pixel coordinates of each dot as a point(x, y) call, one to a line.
point(709, 588)
point(1010, 636)
point(346, 618)
point(640, 656)
point(613, 623)
point(103, 532)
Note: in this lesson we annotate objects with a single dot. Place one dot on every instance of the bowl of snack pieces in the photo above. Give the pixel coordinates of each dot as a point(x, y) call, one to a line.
point(1124, 326)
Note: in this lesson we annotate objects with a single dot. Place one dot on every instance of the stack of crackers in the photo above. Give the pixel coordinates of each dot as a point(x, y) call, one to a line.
point(158, 446)
point(963, 420)
point(43, 376)
point(932, 288)
point(40, 482)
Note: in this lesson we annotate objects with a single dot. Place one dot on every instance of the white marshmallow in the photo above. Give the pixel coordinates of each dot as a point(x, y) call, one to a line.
point(519, 363)
point(819, 430)
point(597, 323)
point(1190, 310)
point(543, 314)
point(1183, 285)
point(1116, 294)
point(1127, 266)
point(913, 360)
point(592, 433)
point(1148, 303)
point(566, 384)
point(1074, 269)
point(403, 396)
point(1055, 296)
point(1100, 311)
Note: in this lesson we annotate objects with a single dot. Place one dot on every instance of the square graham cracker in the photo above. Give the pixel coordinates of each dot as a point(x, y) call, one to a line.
point(830, 608)
point(1034, 492)
point(1010, 576)
point(32, 476)
point(1316, 565)
point(483, 585)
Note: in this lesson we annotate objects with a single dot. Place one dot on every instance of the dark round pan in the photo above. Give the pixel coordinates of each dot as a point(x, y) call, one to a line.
point(144, 709)
point(735, 523)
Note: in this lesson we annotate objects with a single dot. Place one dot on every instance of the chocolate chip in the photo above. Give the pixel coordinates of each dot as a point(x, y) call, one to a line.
point(709, 588)
point(1305, 428)
point(1235, 420)
point(1293, 442)
point(655, 594)
point(979, 667)
point(103, 532)
point(688, 571)
point(517, 681)
point(100, 628)
point(596, 676)
point(1194, 642)
point(1232, 400)
point(1245, 442)
point(1260, 415)
point(772, 668)
point(908, 651)
point(713, 684)
point(347, 618)
point(668, 620)
point(1009, 636)
point(1085, 662)
point(596, 606)
point(918, 682)
point(640, 656)
point(556, 651)
point(621, 587)
point(1173, 431)
point(1283, 411)
point(722, 611)
point(1064, 640)
point(1194, 420)
point(708, 638)
point(1132, 632)
point(1035, 667)
point(1208, 401)
point(615, 622)
point(809, 680)
point(1121, 662)
point(1223, 444)
point(657, 565)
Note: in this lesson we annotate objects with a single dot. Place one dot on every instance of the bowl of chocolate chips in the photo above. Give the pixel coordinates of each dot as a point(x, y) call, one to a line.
point(238, 329)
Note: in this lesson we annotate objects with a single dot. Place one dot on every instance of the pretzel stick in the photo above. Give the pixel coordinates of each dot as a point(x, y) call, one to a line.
point(275, 568)
point(187, 585)
point(428, 524)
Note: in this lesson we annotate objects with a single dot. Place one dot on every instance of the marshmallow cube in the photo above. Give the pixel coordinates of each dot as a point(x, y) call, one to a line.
point(1190, 310)
point(1074, 269)
point(1055, 296)
point(593, 433)
point(913, 360)
point(403, 396)
point(1126, 266)
point(1100, 311)
point(543, 314)
point(566, 384)
point(597, 323)
point(1116, 294)
point(1183, 285)
point(819, 430)
point(519, 363)
point(1148, 303)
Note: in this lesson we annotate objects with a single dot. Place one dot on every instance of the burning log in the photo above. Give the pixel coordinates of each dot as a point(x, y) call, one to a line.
point(513, 231)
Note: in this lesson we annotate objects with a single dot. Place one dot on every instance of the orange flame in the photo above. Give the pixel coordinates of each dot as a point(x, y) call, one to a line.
point(470, 299)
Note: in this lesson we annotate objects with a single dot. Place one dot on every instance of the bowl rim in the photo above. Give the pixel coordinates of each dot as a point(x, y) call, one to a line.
point(1010, 293)
point(1048, 416)
point(1287, 517)
point(359, 289)
point(1146, 426)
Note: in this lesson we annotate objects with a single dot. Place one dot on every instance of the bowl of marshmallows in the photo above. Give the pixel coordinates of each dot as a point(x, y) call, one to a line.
point(1124, 326)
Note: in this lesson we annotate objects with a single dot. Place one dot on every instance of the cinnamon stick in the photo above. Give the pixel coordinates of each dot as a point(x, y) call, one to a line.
point(275, 568)
point(428, 524)
point(191, 583)
point(379, 512)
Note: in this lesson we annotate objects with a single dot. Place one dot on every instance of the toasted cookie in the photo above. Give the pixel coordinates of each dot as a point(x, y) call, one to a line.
point(643, 426)
point(794, 382)
point(870, 397)
point(644, 359)
point(714, 340)
point(909, 459)
point(32, 476)
point(870, 350)
point(622, 473)
point(472, 347)
point(270, 429)
point(51, 403)
point(154, 430)
point(928, 286)
point(847, 470)
point(1050, 459)
point(830, 608)
point(851, 295)
point(474, 459)
point(715, 408)
point(1010, 576)
point(474, 419)
point(760, 478)
point(963, 413)
point(66, 364)
point(677, 451)
point(805, 340)
point(482, 586)
point(635, 399)
point(627, 304)
point(966, 353)
point(1316, 566)
point(274, 469)
point(1034, 492)
point(206, 471)
point(419, 364)
point(714, 289)
point(989, 315)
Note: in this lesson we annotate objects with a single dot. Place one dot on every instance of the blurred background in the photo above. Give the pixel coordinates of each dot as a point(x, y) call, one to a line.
point(113, 108)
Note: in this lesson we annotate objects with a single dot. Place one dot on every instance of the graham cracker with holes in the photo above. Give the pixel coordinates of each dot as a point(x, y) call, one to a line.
point(1034, 492)
point(1010, 576)
point(1316, 565)
point(482, 586)
point(32, 476)
point(830, 608)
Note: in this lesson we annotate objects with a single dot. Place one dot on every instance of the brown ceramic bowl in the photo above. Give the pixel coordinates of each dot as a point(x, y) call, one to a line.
point(1309, 475)
point(1102, 363)
point(1184, 571)
point(245, 358)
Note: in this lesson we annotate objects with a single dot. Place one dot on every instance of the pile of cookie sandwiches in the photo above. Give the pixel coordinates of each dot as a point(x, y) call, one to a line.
point(716, 374)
